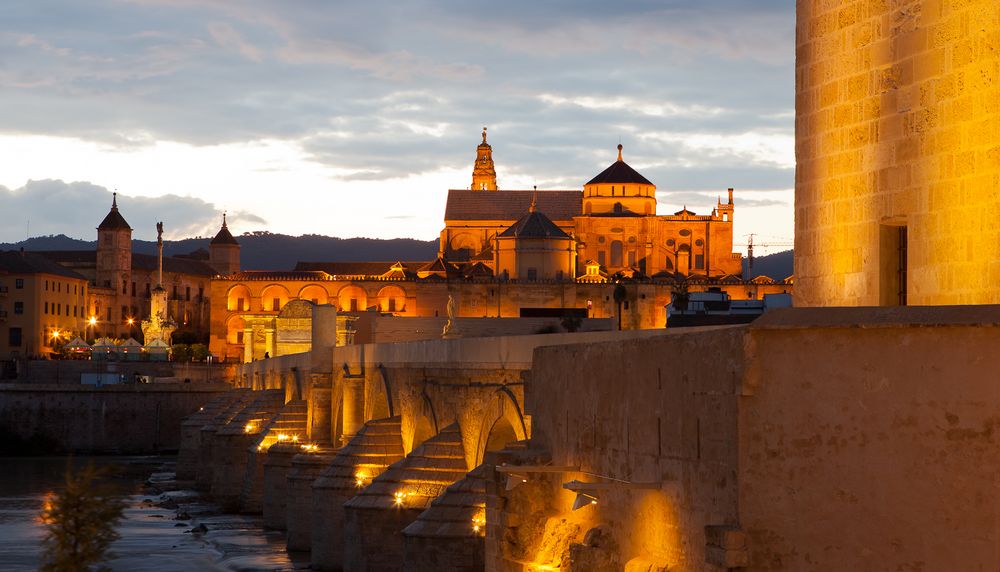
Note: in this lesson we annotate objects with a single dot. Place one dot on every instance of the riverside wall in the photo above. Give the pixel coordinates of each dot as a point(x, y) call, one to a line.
point(140, 418)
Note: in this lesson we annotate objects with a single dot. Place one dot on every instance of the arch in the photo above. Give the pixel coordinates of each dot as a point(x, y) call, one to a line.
point(502, 419)
point(464, 245)
point(238, 298)
point(314, 293)
point(273, 298)
point(234, 327)
point(381, 403)
point(352, 298)
point(425, 423)
point(392, 299)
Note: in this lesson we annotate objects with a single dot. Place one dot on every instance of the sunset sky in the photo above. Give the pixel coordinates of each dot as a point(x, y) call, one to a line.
point(353, 119)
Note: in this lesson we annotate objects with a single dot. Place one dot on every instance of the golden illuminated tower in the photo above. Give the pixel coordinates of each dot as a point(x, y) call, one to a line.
point(484, 175)
point(897, 139)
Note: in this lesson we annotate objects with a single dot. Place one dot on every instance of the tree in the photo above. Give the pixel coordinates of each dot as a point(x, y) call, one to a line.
point(620, 294)
point(199, 352)
point(180, 352)
point(80, 522)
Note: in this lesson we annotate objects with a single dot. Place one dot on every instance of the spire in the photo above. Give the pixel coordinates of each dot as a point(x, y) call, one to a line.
point(114, 219)
point(224, 219)
point(484, 175)
point(619, 151)
point(534, 202)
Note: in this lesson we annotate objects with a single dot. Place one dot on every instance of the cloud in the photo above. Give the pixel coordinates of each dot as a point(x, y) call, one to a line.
point(700, 92)
point(76, 209)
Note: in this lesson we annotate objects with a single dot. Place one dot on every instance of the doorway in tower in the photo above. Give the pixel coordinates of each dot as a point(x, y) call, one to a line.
point(893, 243)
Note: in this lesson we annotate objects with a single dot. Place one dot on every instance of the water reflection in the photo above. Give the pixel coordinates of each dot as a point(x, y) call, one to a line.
point(153, 537)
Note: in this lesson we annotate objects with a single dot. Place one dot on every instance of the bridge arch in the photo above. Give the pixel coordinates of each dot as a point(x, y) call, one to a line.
point(502, 423)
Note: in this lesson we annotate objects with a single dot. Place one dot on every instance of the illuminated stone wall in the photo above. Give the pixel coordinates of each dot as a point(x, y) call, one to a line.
point(898, 124)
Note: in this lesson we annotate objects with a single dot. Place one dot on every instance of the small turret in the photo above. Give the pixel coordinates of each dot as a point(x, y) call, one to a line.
point(224, 251)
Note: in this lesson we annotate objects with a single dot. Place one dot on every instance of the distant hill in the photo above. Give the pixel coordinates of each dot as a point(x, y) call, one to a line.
point(266, 251)
point(778, 266)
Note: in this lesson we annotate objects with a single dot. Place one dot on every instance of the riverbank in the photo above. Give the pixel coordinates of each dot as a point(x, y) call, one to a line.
point(166, 528)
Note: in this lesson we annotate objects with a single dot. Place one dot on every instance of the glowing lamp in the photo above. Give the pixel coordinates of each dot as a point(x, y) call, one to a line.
point(584, 499)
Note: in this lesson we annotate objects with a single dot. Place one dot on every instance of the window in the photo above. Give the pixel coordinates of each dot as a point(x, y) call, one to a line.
point(618, 208)
point(133, 289)
point(147, 290)
point(392, 304)
point(173, 295)
point(19, 283)
point(109, 313)
point(124, 312)
point(74, 311)
point(354, 304)
point(58, 309)
point(187, 293)
point(59, 287)
point(201, 293)
point(616, 253)
point(239, 305)
point(74, 288)
point(124, 286)
point(239, 337)
point(532, 274)
point(18, 307)
point(14, 338)
point(46, 285)
point(601, 258)
point(46, 308)
point(276, 304)
point(631, 258)
point(699, 261)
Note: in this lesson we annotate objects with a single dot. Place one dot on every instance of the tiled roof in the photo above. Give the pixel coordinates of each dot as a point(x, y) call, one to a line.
point(224, 237)
point(147, 262)
point(534, 225)
point(113, 221)
point(292, 275)
point(16, 262)
point(357, 268)
point(619, 172)
point(511, 205)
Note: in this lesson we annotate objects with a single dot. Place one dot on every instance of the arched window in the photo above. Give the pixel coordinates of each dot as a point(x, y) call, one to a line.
point(616, 253)
point(618, 208)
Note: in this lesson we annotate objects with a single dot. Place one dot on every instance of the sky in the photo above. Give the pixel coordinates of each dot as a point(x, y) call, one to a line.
point(355, 118)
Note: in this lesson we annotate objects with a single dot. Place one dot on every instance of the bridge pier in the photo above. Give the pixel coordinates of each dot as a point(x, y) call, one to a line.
point(305, 469)
point(450, 534)
point(376, 516)
point(377, 445)
point(276, 466)
point(190, 445)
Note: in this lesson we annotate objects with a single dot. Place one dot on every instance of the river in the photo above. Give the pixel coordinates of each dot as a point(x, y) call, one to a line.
point(165, 528)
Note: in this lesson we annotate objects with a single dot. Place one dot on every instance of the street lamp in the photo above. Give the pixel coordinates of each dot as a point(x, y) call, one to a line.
point(130, 321)
point(92, 323)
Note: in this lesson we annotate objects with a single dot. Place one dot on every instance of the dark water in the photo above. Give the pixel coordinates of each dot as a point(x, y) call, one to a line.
point(153, 537)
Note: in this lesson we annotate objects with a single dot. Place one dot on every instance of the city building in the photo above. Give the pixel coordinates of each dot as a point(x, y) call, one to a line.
point(42, 305)
point(603, 252)
point(122, 281)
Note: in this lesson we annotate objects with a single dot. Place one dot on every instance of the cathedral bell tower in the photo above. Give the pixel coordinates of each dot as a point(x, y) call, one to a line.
point(224, 251)
point(484, 175)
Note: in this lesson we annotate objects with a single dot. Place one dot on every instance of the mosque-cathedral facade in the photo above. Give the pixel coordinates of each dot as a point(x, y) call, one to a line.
point(513, 253)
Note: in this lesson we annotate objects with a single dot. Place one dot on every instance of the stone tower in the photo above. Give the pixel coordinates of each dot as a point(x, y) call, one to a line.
point(114, 250)
point(224, 251)
point(484, 175)
point(898, 153)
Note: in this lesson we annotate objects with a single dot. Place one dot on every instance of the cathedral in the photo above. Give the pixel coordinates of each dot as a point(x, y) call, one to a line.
point(602, 252)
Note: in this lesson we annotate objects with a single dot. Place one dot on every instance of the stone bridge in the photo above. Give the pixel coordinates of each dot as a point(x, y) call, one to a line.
point(354, 444)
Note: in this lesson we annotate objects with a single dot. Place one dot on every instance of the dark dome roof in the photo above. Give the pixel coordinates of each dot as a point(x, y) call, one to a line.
point(620, 172)
point(534, 225)
point(114, 220)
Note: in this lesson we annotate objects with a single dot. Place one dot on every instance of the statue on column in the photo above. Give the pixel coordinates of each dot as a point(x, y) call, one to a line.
point(159, 326)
